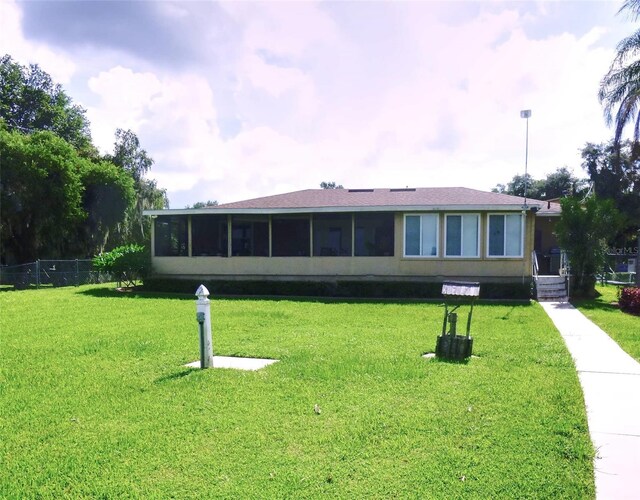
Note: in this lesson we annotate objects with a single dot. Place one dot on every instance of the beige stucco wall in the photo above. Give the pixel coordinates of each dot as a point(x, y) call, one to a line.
point(397, 266)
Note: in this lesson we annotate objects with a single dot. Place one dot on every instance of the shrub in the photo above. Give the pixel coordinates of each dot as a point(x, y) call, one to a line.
point(629, 300)
point(125, 264)
point(339, 288)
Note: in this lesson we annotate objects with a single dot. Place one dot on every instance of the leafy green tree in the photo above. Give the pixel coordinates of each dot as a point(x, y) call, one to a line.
point(203, 204)
point(108, 193)
point(131, 158)
point(556, 185)
point(584, 229)
point(40, 194)
point(614, 172)
point(31, 101)
point(330, 185)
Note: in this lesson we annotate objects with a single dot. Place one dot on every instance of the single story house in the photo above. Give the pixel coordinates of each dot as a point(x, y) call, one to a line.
point(428, 234)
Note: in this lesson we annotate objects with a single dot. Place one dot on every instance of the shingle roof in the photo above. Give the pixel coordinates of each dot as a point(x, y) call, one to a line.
point(406, 199)
point(383, 198)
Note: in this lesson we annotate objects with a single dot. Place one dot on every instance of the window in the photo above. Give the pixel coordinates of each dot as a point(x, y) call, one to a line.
point(291, 236)
point(209, 235)
point(331, 235)
point(421, 235)
point(171, 236)
point(461, 235)
point(374, 235)
point(505, 235)
point(250, 236)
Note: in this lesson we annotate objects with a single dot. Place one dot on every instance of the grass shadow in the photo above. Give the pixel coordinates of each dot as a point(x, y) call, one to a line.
point(174, 376)
point(144, 294)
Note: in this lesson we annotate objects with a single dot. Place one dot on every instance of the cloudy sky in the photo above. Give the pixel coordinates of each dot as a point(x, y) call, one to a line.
point(244, 99)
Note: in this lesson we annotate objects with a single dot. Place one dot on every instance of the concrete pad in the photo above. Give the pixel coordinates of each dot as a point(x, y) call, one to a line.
point(610, 381)
point(237, 363)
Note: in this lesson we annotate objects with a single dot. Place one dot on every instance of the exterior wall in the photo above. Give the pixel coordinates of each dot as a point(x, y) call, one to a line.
point(329, 268)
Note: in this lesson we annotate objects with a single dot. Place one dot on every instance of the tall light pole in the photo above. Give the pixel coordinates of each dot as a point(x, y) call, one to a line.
point(526, 113)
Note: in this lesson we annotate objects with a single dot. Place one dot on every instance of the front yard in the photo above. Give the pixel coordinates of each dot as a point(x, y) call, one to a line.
point(622, 327)
point(95, 402)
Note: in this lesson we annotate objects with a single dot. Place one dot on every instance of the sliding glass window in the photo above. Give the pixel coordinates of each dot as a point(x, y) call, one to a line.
point(421, 235)
point(461, 235)
point(505, 235)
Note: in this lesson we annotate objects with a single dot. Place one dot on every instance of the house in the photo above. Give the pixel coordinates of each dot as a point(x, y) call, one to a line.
point(409, 234)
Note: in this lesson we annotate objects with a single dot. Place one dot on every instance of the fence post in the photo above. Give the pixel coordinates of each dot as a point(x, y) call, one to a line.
point(37, 274)
point(203, 315)
point(77, 274)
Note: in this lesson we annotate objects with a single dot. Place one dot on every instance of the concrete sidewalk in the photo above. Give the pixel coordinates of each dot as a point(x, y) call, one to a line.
point(610, 380)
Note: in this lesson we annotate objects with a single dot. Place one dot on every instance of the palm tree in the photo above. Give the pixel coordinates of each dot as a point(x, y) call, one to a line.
point(620, 88)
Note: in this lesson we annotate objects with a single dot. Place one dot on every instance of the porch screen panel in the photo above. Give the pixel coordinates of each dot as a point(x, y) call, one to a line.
point(470, 235)
point(171, 236)
point(250, 236)
point(332, 235)
point(209, 235)
point(374, 235)
point(290, 236)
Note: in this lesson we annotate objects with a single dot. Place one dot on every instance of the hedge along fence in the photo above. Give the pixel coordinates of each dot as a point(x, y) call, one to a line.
point(339, 288)
point(629, 299)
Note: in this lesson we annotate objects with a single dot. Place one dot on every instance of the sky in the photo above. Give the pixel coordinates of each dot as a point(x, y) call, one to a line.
point(237, 100)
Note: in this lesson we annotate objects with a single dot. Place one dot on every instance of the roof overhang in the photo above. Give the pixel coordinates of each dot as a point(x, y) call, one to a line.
point(315, 210)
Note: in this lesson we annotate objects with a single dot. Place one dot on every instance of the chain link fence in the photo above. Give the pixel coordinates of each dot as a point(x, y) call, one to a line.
point(51, 273)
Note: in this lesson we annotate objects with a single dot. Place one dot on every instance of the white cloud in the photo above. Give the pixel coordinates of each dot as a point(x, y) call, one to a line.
point(379, 94)
point(60, 66)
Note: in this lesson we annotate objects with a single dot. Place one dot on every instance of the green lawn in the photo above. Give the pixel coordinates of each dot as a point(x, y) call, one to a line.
point(622, 327)
point(94, 401)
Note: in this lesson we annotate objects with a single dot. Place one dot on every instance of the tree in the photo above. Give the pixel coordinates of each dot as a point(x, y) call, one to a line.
point(615, 174)
point(330, 185)
point(203, 204)
point(108, 193)
point(583, 230)
point(131, 158)
point(40, 194)
point(620, 87)
point(557, 184)
point(30, 101)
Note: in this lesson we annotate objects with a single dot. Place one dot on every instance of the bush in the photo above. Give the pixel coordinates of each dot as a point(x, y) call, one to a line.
point(125, 264)
point(629, 300)
point(339, 288)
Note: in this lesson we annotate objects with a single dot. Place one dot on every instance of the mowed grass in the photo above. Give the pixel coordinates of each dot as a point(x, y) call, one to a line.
point(95, 402)
point(622, 327)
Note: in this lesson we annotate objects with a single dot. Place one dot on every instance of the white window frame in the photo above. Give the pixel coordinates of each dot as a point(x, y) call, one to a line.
point(522, 234)
point(404, 237)
point(478, 237)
